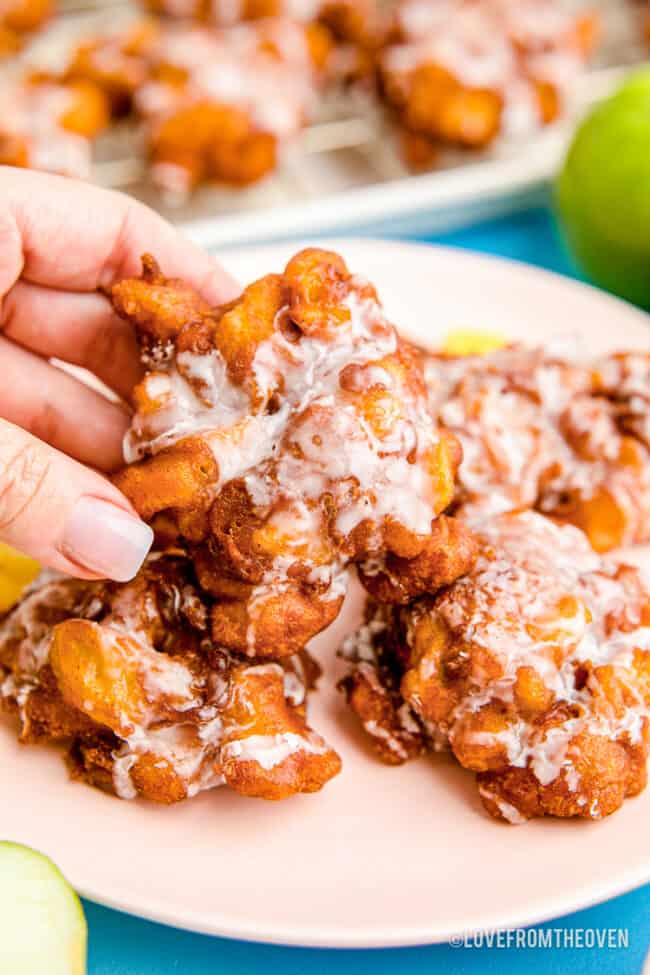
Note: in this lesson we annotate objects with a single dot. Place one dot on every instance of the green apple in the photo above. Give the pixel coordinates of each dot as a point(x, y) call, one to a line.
point(42, 924)
point(603, 192)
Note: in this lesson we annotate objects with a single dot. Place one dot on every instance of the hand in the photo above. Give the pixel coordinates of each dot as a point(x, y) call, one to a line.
point(59, 241)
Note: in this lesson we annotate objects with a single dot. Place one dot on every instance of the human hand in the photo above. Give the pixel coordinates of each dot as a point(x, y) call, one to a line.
point(61, 240)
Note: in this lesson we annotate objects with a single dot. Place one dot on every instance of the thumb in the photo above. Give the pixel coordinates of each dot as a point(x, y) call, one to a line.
point(66, 515)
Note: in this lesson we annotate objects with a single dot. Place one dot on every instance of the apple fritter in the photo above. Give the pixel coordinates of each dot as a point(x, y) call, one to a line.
point(129, 677)
point(213, 105)
point(50, 125)
point(542, 430)
point(117, 62)
point(462, 72)
point(283, 438)
point(224, 105)
point(534, 669)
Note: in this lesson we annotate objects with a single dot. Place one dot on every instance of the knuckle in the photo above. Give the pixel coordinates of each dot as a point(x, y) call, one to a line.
point(100, 349)
point(8, 312)
point(117, 262)
point(22, 481)
point(45, 423)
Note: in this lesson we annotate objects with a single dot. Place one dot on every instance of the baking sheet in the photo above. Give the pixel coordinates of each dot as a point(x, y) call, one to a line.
point(345, 171)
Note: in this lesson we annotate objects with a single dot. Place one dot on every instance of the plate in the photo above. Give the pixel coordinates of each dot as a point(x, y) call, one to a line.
point(383, 856)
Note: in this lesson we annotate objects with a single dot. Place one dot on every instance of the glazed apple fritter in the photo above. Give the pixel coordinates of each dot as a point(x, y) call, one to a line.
point(50, 125)
point(534, 669)
point(129, 677)
point(116, 62)
point(538, 430)
point(284, 437)
point(224, 105)
point(218, 105)
point(462, 72)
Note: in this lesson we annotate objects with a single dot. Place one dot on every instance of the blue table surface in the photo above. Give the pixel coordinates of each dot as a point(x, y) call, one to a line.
point(123, 945)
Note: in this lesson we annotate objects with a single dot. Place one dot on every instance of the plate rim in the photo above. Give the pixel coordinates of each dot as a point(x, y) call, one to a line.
point(404, 937)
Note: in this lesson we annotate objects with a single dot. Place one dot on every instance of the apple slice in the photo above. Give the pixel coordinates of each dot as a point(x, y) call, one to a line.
point(42, 923)
point(16, 573)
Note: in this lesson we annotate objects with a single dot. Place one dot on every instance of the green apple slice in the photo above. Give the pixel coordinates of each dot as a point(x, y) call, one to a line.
point(42, 924)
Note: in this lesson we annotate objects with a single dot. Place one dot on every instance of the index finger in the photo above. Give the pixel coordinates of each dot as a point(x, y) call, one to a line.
point(65, 234)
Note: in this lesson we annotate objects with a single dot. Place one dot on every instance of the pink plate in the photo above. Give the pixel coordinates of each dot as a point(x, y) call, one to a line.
point(382, 856)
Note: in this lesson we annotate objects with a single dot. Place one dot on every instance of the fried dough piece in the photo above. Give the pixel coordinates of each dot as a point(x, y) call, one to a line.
point(461, 72)
point(200, 141)
point(49, 125)
point(158, 307)
point(534, 669)
point(268, 752)
point(20, 18)
point(217, 105)
point(544, 431)
point(149, 705)
point(286, 436)
point(372, 688)
point(214, 105)
point(222, 105)
point(624, 378)
point(400, 580)
point(117, 63)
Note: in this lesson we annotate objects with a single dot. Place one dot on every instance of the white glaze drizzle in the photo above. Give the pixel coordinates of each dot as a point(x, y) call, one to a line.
point(180, 726)
point(315, 444)
point(508, 607)
point(534, 430)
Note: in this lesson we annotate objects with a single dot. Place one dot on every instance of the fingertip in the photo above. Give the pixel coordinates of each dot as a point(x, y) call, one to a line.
point(218, 286)
point(102, 538)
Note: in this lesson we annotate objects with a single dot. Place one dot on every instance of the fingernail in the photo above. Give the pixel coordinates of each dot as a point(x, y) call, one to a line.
point(105, 539)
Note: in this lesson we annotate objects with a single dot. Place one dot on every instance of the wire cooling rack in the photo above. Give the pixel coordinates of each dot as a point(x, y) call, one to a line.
point(345, 170)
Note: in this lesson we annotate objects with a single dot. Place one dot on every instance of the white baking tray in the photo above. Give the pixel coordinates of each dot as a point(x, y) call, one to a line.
point(345, 172)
